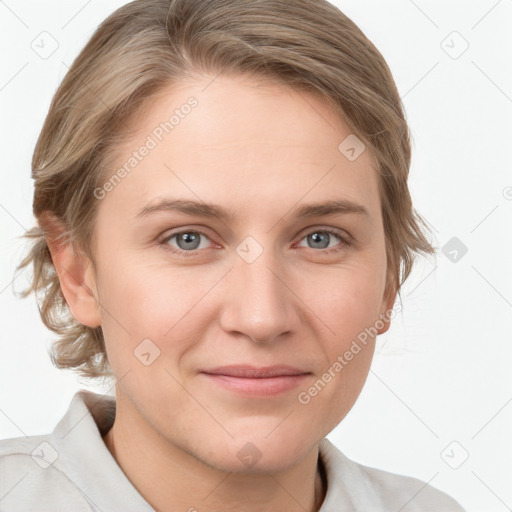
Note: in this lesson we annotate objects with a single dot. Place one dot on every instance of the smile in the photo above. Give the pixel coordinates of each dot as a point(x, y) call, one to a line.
point(257, 382)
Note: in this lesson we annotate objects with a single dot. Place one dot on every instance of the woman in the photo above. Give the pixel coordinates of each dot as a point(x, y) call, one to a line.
point(270, 137)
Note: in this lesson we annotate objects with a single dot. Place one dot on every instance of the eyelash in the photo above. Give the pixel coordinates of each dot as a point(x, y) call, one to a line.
point(187, 254)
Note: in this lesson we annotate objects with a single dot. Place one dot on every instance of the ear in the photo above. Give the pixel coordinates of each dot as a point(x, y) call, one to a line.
point(388, 301)
point(75, 271)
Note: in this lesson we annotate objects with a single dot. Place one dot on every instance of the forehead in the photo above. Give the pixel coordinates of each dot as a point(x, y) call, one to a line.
point(242, 143)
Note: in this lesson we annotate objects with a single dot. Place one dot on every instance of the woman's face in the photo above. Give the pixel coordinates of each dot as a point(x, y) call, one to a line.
point(186, 292)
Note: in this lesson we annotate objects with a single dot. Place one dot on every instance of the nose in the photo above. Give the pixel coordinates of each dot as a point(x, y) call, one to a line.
point(257, 300)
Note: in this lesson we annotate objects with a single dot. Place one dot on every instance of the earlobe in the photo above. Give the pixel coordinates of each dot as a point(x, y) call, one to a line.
point(385, 314)
point(77, 279)
point(383, 319)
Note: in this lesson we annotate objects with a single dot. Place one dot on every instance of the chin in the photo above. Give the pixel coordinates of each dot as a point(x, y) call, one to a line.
point(255, 451)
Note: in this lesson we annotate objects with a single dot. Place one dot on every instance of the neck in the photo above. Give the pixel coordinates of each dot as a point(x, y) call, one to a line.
point(190, 484)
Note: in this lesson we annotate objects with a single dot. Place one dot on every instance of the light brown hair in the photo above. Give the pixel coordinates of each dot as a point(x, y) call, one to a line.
point(147, 45)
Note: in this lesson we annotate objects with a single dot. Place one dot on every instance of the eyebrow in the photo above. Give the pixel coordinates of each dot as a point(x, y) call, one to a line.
point(339, 206)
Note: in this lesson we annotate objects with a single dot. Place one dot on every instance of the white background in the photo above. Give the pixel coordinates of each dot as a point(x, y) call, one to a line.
point(442, 372)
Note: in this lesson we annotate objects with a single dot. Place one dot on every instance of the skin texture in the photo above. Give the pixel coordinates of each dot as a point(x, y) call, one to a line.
point(261, 151)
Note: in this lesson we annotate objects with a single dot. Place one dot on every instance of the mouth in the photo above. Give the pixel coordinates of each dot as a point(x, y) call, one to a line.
point(257, 381)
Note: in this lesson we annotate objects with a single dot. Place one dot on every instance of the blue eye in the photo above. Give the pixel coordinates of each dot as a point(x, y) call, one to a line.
point(325, 235)
point(189, 241)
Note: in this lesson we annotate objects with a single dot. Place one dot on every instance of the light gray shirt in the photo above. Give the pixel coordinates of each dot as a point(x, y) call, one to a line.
point(72, 470)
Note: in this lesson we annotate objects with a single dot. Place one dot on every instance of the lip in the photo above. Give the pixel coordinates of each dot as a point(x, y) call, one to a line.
point(257, 381)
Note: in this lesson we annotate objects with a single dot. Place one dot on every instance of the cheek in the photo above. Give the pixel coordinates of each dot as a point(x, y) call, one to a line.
point(146, 301)
point(140, 296)
point(350, 309)
point(348, 299)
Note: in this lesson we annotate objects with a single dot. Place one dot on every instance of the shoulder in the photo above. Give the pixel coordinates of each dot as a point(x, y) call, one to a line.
point(29, 471)
point(367, 488)
point(410, 493)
